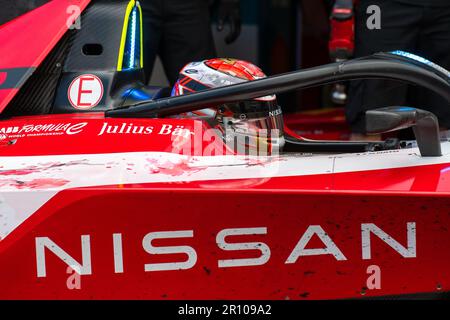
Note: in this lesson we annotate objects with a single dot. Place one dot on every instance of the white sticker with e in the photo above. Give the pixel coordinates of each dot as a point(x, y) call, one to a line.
point(85, 92)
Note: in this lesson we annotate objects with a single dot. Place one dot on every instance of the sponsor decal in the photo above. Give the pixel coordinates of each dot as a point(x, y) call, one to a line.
point(226, 241)
point(9, 130)
point(33, 130)
point(3, 139)
point(130, 128)
point(85, 92)
point(275, 113)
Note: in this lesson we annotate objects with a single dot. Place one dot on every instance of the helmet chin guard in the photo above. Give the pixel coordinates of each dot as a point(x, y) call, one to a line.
point(250, 126)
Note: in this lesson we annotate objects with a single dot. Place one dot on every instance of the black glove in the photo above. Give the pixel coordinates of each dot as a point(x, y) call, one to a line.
point(229, 12)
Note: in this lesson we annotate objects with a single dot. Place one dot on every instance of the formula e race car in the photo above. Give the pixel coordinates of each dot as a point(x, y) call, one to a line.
point(111, 189)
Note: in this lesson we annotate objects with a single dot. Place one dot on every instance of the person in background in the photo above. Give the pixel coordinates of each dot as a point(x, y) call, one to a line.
point(421, 27)
point(179, 31)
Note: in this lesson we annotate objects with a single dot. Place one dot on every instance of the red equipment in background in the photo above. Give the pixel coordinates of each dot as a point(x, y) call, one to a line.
point(327, 120)
point(342, 41)
point(319, 124)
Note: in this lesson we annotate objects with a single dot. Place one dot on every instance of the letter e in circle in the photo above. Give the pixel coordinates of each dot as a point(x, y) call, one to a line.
point(85, 92)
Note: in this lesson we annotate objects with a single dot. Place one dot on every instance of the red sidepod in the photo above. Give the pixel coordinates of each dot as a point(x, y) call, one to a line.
point(358, 229)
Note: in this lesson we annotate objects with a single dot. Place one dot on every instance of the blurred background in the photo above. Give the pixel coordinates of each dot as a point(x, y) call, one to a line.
point(279, 36)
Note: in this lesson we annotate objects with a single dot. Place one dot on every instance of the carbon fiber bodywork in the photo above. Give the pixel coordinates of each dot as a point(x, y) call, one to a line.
point(101, 24)
point(102, 27)
point(38, 93)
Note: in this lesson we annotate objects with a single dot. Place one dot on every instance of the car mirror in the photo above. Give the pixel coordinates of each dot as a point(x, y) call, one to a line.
point(425, 126)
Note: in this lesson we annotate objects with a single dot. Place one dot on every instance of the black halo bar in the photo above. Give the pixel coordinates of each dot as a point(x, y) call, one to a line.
point(378, 66)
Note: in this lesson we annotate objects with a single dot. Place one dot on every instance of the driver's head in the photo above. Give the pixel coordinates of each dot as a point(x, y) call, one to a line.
point(259, 121)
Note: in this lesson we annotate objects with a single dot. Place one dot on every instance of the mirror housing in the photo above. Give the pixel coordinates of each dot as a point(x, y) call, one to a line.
point(425, 126)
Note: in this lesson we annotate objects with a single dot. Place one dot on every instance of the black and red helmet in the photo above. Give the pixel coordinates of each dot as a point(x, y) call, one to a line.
point(259, 120)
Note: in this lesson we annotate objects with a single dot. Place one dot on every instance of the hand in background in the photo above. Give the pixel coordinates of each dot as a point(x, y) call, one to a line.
point(229, 13)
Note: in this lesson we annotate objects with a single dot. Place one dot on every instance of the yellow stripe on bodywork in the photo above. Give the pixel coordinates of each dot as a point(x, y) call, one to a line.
point(123, 40)
point(142, 34)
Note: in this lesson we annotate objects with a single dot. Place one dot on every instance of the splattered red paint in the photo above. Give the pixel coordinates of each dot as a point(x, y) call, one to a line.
point(34, 184)
point(173, 169)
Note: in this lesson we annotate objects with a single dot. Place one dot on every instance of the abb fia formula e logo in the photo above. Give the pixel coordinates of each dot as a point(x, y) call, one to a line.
point(85, 92)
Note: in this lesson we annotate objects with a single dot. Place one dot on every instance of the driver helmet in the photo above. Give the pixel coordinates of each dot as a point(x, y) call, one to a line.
point(256, 124)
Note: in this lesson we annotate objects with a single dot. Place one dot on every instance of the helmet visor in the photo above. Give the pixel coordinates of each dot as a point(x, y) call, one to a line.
point(253, 127)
